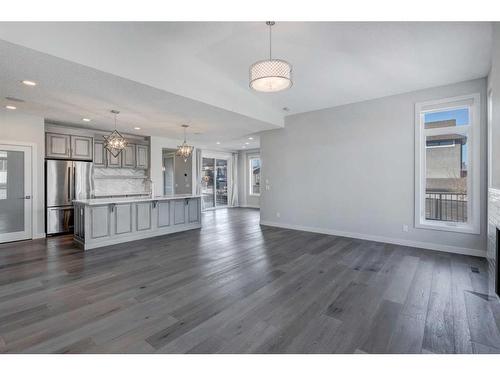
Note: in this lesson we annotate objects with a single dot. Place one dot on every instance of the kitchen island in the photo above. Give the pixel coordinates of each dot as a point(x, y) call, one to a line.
point(102, 222)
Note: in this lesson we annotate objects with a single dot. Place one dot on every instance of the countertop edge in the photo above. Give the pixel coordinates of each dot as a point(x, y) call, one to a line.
point(106, 201)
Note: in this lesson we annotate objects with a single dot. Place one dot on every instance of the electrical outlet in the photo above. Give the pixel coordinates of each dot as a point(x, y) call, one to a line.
point(278, 214)
point(405, 228)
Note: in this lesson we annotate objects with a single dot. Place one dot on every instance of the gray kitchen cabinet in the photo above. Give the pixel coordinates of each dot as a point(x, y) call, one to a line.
point(123, 218)
point(179, 212)
point(163, 209)
point(142, 157)
point(128, 156)
point(99, 154)
point(100, 221)
point(113, 162)
point(193, 210)
point(57, 145)
point(143, 216)
point(82, 148)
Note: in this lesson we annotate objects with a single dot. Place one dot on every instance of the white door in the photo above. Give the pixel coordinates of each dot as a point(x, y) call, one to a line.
point(15, 193)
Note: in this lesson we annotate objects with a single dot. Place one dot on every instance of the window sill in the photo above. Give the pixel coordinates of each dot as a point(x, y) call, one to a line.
point(460, 228)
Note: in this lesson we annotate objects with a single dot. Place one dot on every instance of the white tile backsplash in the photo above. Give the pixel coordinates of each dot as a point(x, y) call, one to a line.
point(119, 181)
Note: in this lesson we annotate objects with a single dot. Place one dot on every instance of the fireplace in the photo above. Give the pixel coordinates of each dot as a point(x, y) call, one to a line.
point(497, 265)
point(493, 242)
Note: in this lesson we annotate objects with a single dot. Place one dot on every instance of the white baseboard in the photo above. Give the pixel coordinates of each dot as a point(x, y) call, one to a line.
point(369, 237)
point(38, 236)
point(248, 206)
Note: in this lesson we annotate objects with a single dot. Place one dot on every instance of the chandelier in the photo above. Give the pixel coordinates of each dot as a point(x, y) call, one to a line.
point(184, 150)
point(115, 143)
point(270, 75)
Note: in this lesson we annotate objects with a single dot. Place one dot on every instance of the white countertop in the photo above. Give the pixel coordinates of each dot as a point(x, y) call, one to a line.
point(101, 201)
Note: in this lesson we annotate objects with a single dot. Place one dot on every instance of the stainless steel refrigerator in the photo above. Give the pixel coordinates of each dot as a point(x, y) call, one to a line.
point(65, 180)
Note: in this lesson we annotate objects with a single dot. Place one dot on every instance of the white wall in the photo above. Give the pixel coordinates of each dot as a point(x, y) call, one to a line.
point(244, 197)
point(494, 87)
point(19, 128)
point(350, 170)
point(493, 157)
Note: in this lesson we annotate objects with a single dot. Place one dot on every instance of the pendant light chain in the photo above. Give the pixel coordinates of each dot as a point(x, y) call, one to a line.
point(270, 41)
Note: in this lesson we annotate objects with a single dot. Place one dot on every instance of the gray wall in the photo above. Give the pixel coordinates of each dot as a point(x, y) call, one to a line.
point(18, 127)
point(156, 157)
point(182, 183)
point(244, 197)
point(350, 170)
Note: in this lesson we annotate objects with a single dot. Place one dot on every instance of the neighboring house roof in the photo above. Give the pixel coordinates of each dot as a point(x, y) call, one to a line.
point(448, 137)
point(440, 124)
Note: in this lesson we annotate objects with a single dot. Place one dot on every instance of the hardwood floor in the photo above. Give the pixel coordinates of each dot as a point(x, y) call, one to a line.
point(237, 287)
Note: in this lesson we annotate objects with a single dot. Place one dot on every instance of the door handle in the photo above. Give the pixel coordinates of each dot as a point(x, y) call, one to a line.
point(69, 183)
point(27, 197)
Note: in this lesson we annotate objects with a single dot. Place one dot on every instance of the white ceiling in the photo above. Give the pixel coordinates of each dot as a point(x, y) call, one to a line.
point(334, 63)
point(67, 92)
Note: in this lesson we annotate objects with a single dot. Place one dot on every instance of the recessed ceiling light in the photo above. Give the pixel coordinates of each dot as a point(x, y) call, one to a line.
point(10, 107)
point(250, 138)
point(218, 143)
point(29, 83)
point(137, 128)
point(247, 143)
point(86, 120)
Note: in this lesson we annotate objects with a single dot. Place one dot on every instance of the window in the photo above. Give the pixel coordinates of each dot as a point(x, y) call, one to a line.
point(447, 164)
point(254, 177)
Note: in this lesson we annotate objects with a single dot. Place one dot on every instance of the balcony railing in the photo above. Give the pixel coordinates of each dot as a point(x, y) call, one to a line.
point(446, 206)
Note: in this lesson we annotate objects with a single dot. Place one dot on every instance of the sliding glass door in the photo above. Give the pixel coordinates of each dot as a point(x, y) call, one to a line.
point(221, 183)
point(214, 182)
point(207, 186)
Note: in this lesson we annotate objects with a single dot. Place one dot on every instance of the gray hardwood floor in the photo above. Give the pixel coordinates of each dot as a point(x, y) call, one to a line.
point(237, 287)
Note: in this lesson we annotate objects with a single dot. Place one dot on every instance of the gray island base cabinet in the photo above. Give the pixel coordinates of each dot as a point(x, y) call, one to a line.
point(103, 222)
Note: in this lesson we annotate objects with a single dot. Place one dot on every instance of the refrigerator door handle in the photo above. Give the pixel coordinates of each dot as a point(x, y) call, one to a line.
point(73, 183)
point(69, 183)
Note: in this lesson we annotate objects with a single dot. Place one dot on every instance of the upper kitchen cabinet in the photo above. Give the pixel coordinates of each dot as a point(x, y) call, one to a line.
point(129, 156)
point(82, 148)
point(57, 146)
point(142, 157)
point(99, 154)
point(113, 162)
point(65, 146)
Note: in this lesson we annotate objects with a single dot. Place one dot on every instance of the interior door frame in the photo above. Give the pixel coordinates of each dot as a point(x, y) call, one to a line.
point(169, 156)
point(29, 177)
